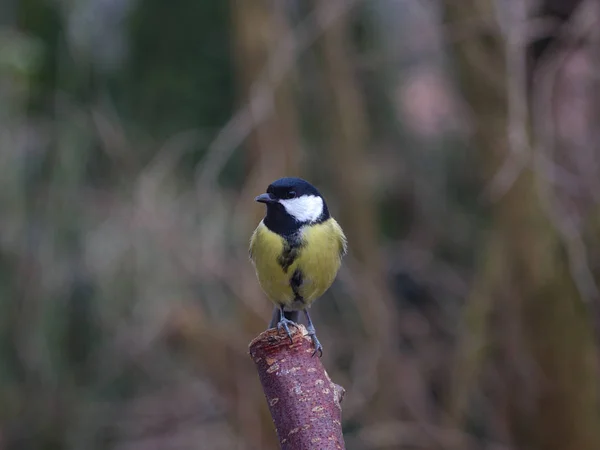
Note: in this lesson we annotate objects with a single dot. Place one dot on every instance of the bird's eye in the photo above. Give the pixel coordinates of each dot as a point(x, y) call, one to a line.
point(291, 194)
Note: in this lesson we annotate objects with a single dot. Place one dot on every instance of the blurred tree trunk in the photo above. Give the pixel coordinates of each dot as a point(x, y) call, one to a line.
point(348, 139)
point(273, 148)
point(272, 151)
point(594, 222)
point(346, 132)
point(544, 337)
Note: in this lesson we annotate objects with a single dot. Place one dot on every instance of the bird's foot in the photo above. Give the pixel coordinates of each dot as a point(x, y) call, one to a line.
point(313, 335)
point(284, 324)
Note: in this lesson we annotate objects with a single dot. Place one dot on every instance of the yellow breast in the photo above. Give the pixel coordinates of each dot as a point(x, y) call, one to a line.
point(316, 261)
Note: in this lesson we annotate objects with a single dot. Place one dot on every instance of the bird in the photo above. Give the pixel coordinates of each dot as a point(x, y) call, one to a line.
point(296, 250)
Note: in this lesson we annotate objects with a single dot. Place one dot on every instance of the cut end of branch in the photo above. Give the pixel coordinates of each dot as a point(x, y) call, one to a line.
point(304, 402)
point(273, 338)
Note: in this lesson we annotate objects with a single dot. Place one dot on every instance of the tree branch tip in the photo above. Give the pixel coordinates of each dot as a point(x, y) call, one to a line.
point(304, 402)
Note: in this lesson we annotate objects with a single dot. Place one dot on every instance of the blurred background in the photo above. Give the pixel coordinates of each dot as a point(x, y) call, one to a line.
point(457, 143)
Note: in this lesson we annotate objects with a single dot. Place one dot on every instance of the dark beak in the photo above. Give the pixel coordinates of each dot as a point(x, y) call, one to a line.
point(265, 198)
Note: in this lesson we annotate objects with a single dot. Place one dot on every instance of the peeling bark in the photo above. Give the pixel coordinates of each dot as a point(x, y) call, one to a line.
point(304, 402)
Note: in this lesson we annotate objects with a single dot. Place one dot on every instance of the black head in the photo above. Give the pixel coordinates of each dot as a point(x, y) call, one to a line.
point(292, 203)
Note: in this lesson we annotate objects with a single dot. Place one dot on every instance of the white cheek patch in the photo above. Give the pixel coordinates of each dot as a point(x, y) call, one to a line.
point(307, 208)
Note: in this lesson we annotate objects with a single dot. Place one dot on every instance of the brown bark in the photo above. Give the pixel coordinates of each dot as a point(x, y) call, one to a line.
point(304, 402)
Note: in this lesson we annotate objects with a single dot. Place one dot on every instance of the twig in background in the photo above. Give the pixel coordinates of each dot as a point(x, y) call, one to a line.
point(260, 102)
point(519, 150)
point(304, 402)
point(580, 25)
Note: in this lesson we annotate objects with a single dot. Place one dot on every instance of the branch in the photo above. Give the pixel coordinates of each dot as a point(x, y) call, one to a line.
point(304, 402)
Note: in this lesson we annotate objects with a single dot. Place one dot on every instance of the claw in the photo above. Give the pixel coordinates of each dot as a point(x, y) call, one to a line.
point(313, 335)
point(317, 344)
point(284, 324)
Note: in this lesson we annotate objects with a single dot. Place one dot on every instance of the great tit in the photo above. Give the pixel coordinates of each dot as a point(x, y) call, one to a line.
point(296, 250)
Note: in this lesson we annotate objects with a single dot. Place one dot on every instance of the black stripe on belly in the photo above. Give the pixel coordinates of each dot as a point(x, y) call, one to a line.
point(291, 251)
point(295, 283)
